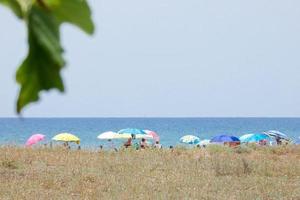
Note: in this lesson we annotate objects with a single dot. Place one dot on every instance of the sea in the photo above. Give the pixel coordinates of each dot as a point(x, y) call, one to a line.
point(15, 131)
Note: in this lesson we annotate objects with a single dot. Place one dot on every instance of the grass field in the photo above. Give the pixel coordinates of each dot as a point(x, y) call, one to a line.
point(212, 173)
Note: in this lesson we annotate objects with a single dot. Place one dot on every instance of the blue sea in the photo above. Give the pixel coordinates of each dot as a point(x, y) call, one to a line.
point(15, 131)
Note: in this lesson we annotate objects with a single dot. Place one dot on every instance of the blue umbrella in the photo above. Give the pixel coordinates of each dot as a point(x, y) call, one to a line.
point(133, 131)
point(254, 137)
point(224, 138)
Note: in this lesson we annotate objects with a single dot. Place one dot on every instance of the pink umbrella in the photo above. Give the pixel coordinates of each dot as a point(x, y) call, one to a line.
point(153, 134)
point(34, 139)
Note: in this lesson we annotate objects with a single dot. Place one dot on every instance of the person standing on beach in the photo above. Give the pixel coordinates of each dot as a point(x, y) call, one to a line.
point(278, 140)
point(112, 145)
point(143, 144)
point(157, 145)
point(128, 143)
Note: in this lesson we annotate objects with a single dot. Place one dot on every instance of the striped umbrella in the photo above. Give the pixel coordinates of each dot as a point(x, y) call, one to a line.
point(274, 133)
point(153, 134)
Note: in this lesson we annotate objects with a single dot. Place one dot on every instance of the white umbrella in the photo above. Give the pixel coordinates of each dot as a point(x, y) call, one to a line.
point(109, 136)
point(204, 142)
point(243, 137)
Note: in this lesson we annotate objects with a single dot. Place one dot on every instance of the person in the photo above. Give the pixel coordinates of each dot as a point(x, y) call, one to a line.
point(128, 143)
point(136, 146)
point(133, 136)
point(143, 143)
point(157, 145)
point(262, 142)
point(112, 145)
point(65, 144)
point(278, 140)
point(79, 147)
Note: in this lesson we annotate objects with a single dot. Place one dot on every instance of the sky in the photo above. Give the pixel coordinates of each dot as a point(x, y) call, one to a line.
point(169, 58)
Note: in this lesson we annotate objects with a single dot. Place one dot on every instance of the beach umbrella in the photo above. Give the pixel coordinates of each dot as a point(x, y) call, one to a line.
point(34, 139)
point(133, 131)
point(254, 137)
point(113, 135)
point(66, 137)
point(244, 137)
point(204, 142)
point(274, 133)
point(136, 133)
point(140, 136)
point(109, 135)
point(153, 134)
point(189, 139)
point(224, 138)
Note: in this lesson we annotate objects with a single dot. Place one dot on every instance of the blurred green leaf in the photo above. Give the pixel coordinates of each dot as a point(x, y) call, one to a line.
point(76, 12)
point(41, 68)
point(14, 6)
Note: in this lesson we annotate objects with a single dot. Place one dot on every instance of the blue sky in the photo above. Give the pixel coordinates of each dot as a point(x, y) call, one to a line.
point(172, 58)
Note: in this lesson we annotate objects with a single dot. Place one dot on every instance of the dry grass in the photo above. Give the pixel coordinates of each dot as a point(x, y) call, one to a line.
point(213, 173)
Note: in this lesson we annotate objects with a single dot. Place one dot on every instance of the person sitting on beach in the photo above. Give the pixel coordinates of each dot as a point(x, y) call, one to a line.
point(157, 145)
point(128, 143)
point(143, 143)
point(262, 142)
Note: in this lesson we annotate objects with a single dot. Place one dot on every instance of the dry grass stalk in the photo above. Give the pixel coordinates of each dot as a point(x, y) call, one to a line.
point(212, 173)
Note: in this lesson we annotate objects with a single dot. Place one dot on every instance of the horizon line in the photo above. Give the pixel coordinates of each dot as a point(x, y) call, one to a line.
point(145, 117)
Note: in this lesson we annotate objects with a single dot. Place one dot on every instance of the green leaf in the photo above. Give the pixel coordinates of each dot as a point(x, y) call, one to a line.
point(14, 6)
point(41, 69)
point(76, 12)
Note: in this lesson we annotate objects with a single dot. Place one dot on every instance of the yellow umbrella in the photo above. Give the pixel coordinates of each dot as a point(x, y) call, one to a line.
point(66, 137)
